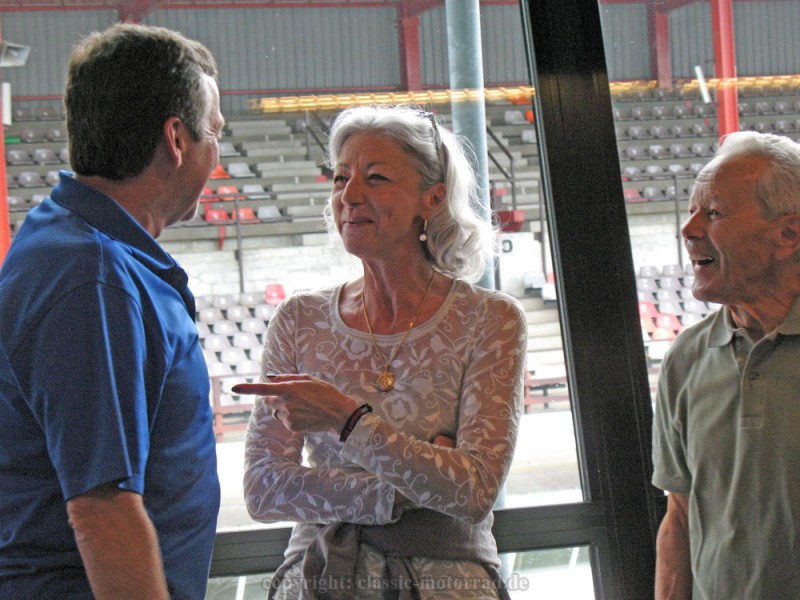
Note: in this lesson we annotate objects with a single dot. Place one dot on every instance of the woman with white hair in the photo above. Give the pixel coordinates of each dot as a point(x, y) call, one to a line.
point(403, 387)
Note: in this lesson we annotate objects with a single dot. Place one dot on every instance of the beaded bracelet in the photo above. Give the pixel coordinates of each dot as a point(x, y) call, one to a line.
point(353, 419)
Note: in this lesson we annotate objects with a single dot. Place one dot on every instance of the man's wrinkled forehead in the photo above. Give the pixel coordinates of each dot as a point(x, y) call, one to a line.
point(705, 180)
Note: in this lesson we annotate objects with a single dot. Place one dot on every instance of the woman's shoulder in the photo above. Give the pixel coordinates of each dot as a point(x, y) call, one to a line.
point(302, 301)
point(494, 299)
point(305, 297)
point(488, 314)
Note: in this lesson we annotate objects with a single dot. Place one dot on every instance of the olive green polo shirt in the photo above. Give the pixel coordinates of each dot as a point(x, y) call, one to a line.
point(729, 437)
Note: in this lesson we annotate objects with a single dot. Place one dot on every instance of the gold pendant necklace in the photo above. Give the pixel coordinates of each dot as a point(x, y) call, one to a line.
point(385, 381)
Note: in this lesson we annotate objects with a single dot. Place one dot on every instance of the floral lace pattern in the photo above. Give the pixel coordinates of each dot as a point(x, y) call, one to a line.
point(458, 374)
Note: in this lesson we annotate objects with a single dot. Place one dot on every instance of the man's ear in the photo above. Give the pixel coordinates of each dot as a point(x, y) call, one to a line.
point(789, 235)
point(174, 135)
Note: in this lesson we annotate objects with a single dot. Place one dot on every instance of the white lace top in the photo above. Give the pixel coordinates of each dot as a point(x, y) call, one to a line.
point(458, 374)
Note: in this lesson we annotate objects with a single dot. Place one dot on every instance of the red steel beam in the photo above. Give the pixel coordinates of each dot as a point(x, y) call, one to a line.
point(412, 8)
point(660, 53)
point(282, 4)
point(410, 61)
point(5, 219)
point(122, 5)
point(134, 11)
point(725, 59)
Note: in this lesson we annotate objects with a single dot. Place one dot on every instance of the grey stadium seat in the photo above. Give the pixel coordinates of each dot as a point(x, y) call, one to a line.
point(30, 179)
point(18, 156)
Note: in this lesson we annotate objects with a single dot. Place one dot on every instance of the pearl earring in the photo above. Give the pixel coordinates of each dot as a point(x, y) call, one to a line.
point(423, 237)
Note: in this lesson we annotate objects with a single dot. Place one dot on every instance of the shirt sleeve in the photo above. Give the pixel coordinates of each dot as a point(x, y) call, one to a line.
point(85, 385)
point(463, 482)
point(277, 485)
point(670, 470)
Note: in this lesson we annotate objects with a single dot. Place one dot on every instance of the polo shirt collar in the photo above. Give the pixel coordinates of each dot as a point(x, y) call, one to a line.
point(791, 325)
point(723, 330)
point(104, 214)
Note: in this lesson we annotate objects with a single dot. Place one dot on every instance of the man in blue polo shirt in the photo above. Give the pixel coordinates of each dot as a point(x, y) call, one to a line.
point(108, 482)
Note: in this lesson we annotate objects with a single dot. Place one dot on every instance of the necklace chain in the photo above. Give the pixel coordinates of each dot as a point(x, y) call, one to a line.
point(385, 381)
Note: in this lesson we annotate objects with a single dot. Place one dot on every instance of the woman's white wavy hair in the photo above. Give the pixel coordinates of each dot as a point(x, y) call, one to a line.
point(459, 243)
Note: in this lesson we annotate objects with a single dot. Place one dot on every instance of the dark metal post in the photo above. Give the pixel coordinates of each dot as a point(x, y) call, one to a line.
point(603, 344)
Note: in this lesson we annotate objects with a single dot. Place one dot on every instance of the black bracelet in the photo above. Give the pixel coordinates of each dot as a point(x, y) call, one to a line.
point(353, 419)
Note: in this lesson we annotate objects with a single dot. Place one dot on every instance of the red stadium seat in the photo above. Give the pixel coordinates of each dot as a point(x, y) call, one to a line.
point(217, 216)
point(219, 173)
point(227, 193)
point(274, 294)
point(668, 322)
point(648, 310)
point(633, 195)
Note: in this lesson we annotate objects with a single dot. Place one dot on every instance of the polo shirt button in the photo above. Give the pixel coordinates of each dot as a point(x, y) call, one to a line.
point(753, 375)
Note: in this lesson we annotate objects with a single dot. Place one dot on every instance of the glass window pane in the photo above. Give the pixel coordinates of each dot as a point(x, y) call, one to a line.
point(553, 573)
point(246, 587)
point(666, 100)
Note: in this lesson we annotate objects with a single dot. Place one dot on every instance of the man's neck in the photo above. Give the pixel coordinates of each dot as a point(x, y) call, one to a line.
point(745, 320)
point(128, 194)
point(764, 317)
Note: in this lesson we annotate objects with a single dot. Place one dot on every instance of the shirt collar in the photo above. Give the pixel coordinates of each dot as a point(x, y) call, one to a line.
point(791, 324)
point(723, 329)
point(104, 214)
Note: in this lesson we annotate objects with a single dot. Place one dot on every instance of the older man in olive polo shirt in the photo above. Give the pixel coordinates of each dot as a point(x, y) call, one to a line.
point(726, 441)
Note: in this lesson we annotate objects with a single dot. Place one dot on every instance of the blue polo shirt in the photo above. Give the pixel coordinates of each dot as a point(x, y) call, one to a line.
point(102, 379)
